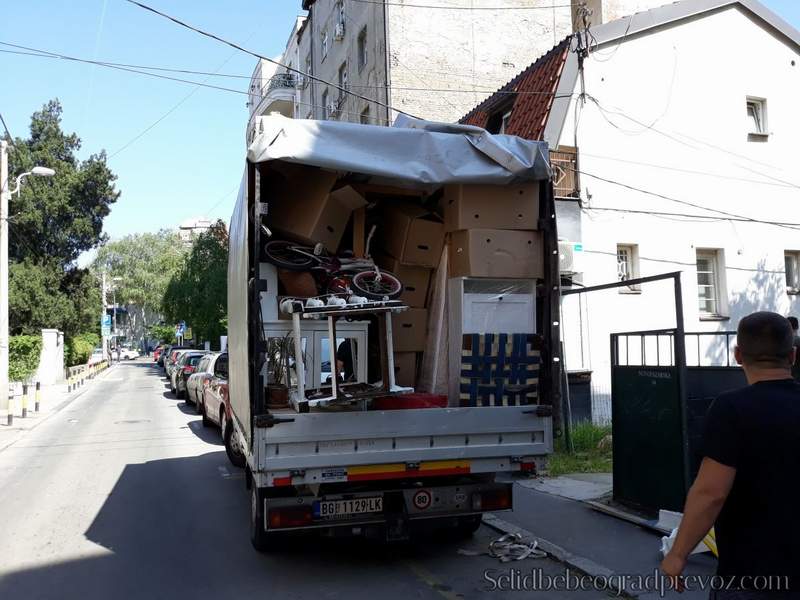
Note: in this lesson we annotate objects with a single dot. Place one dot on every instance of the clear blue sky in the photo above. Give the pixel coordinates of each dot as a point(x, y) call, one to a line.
point(186, 164)
point(190, 163)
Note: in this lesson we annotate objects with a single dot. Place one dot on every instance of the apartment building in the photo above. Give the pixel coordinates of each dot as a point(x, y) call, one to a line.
point(434, 59)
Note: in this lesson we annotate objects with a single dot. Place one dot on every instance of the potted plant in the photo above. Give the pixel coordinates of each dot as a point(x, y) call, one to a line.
point(278, 350)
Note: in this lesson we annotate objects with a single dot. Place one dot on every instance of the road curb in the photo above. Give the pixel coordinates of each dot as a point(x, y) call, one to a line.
point(579, 563)
point(58, 408)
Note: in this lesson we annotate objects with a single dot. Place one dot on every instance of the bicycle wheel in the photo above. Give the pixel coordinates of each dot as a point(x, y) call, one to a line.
point(282, 254)
point(374, 287)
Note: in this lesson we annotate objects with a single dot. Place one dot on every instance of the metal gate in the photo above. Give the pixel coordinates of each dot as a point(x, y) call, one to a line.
point(658, 410)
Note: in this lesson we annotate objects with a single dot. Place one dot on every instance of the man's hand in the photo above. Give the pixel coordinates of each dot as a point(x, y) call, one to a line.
point(672, 566)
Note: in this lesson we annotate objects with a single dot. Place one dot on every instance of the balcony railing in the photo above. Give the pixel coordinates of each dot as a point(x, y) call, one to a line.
point(282, 81)
point(564, 162)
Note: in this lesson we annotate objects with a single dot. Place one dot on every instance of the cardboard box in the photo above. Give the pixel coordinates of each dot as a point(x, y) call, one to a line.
point(496, 253)
point(412, 234)
point(304, 208)
point(410, 330)
point(405, 368)
point(415, 279)
point(491, 206)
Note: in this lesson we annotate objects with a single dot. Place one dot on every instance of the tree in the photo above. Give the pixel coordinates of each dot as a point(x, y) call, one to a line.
point(52, 221)
point(198, 294)
point(141, 266)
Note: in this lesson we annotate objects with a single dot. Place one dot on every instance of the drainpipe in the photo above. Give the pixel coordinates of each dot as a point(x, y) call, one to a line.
point(387, 56)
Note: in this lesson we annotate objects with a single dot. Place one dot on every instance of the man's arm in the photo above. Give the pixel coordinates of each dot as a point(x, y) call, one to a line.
point(703, 504)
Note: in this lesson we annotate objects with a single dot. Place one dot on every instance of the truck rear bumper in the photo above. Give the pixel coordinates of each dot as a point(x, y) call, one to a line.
point(387, 507)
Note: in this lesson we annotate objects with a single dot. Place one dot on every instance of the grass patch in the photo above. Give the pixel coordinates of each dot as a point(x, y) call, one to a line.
point(587, 458)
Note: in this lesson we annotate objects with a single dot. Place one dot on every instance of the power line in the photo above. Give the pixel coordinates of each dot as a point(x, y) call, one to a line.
point(134, 68)
point(703, 218)
point(37, 52)
point(270, 60)
point(684, 202)
point(8, 133)
point(451, 7)
point(690, 171)
point(46, 54)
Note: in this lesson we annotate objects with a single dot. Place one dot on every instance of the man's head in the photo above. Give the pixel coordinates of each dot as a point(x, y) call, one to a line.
point(765, 340)
point(793, 323)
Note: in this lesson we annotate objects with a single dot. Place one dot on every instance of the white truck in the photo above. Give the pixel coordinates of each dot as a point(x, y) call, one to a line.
point(352, 468)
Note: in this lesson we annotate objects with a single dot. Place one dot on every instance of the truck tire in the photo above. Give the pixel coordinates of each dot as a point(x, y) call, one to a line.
point(258, 535)
point(467, 526)
point(234, 455)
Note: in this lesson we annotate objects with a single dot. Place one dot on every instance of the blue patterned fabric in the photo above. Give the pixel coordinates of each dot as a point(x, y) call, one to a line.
point(499, 369)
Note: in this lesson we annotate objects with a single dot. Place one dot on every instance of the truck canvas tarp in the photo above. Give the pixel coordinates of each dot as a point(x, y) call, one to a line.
point(325, 183)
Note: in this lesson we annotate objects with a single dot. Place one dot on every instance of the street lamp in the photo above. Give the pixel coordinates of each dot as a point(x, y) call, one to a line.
point(5, 196)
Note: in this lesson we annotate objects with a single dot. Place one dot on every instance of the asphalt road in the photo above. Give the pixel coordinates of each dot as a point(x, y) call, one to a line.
point(124, 494)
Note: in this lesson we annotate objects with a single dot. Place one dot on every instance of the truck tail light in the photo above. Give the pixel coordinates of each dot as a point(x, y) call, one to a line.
point(289, 516)
point(527, 467)
point(499, 499)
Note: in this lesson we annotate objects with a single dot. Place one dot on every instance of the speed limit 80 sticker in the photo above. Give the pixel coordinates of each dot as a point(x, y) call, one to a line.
point(422, 500)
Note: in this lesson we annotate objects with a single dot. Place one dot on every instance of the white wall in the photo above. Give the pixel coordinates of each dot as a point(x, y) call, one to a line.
point(477, 51)
point(686, 85)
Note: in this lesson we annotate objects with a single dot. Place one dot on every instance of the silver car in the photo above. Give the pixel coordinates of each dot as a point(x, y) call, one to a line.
point(198, 380)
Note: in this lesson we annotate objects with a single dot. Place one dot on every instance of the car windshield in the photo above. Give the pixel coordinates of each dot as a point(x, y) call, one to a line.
point(193, 359)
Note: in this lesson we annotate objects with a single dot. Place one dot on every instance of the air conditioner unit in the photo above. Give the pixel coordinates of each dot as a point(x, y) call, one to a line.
point(332, 109)
point(338, 31)
point(570, 257)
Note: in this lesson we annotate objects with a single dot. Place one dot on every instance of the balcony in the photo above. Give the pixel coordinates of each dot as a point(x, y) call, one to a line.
point(566, 182)
point(278, 96)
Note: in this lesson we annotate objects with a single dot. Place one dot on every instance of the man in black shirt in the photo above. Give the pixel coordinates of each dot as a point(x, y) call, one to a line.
point(748, 481)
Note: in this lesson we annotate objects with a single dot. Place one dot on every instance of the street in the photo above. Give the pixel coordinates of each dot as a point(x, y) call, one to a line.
point(124, 493)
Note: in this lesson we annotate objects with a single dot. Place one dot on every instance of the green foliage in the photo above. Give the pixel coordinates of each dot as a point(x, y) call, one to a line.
point(79, 348)
point(45, 295)
point(163, 333)
point(54, 220)
point(590, 455)
point(198, 293)
point(144, 263)
point(23, 356)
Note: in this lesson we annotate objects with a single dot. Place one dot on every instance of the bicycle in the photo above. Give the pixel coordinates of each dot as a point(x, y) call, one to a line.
point(335, 274)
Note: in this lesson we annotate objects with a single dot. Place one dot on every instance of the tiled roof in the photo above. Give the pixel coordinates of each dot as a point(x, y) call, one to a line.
point(531, 106)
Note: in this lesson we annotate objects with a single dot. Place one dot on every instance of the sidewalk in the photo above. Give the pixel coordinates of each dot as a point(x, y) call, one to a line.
point(591, 537)
point(53, 398)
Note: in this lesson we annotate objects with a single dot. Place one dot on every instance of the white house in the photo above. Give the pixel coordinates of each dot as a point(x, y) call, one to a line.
point(684, 118)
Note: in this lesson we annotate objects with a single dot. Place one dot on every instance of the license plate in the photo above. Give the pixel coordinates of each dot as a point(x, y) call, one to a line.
point(334, 509)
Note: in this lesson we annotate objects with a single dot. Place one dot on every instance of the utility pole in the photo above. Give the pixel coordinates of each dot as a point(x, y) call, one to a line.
point(5, 194)
point(103, 316)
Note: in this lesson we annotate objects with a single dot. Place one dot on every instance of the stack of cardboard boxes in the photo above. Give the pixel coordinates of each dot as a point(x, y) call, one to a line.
point(493, 231)
point(413, 239)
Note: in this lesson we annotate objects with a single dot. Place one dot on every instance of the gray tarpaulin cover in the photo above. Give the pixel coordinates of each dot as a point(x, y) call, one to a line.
point(413, 153)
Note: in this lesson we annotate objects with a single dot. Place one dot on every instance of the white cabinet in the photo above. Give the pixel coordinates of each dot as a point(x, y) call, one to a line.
point(317, 347)
point(478, 305)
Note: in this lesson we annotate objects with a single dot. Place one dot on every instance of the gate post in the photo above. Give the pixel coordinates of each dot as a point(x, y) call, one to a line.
point(680, 370)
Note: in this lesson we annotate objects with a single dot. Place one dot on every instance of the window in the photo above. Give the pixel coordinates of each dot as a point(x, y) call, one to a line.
point(324, 44)
point(757, 117)
point(504, 122)
point(342, 80)
point(325, 104)
point(340, 12)
point(628, 266)
point(364, 117)
point(791, 261)
point(362, 49)
point(709, 283)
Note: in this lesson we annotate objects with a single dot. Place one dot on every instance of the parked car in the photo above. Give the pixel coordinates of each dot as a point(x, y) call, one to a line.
point(201, 377)
point(186, 365)
point(157, 354)
point(96, 357)
point(172, 360)
point(216, 409)
point(128, 354)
